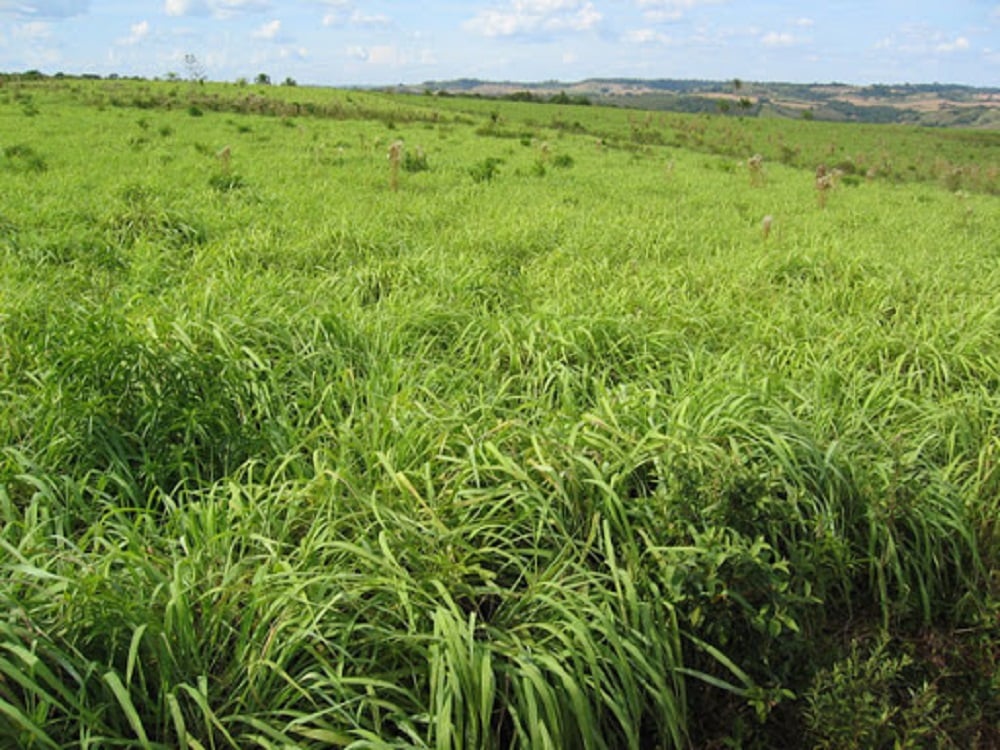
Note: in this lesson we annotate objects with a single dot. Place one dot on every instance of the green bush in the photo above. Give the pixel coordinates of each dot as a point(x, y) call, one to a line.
point(485, 170)
point(871, 699)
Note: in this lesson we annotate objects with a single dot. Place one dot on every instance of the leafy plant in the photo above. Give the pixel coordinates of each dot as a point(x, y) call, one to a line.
point(486, 170)
point(415, 161)
point(869, 700)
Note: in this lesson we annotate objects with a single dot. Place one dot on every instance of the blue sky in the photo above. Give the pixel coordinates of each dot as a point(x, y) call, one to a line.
point(343, 42)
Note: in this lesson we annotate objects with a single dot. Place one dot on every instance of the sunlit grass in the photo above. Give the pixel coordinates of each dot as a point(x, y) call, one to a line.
point(564, 458)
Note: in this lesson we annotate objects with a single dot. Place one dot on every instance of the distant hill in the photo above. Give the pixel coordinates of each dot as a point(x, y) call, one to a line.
point(941, 105)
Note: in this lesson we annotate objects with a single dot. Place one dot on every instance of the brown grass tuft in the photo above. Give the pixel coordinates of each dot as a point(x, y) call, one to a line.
point(395, 159)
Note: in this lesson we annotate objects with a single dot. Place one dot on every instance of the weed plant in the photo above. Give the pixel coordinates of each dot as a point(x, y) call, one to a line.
point(568, 458)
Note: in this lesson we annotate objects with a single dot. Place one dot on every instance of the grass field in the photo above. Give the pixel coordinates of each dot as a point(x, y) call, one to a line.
point(531, 431)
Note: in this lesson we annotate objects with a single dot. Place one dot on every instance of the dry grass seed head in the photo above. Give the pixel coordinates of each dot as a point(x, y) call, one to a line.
point(824, 184)
point(756, 166)
point(225, 156)
point(395, 158)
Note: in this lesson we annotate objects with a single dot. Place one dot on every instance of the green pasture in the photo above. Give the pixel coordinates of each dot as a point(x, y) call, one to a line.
point(551, 427)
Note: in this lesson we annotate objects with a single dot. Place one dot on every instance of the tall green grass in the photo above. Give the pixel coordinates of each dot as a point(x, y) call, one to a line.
point(570, 457)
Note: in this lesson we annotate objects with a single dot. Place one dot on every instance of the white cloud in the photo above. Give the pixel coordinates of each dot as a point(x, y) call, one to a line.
point(32, 31)
point(378, 19)
point(44, 8)
point(137, 32)
point(778, 39)
point(269, 30)
point(526, 17)
point(344, 13)
point(959, 44)
point(679, 4)
point(662, 11)
point(921, 40)
point(185, 7)
point(217, 8)
point(390, 56)
point(804, 23)
point(646, 36)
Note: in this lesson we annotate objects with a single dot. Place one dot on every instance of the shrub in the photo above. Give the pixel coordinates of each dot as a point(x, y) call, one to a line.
point(485, 170)
point(415, 161)
point(863, 701)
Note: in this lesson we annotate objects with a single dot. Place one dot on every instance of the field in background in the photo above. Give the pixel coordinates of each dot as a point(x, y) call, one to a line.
point(348, 419)
point(936, 105)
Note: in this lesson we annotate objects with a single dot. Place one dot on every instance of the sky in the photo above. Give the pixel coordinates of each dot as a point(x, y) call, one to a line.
point(350, 42)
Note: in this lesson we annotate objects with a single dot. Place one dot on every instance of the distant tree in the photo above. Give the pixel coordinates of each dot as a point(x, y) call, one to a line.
point(723, 105)
point(262, 79)
point(172, 76)
point(195, 70)
point(289, 81)
point(745, 103)
point(737, 84)
point(563, 98)
point(241, 81)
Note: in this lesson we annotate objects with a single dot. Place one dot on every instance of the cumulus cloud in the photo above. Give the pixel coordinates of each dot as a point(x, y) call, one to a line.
point(922, 39)
point(646, 36)
point(137, 32)
point(345, 13)
point(268, 31)
point(778, 39)
point(217, 8)
point(390, 56)
point(185, 8)
point(44, 8)
point(661, 11)
point(32, 31)
point(528, 17)
point(376, 19)
point(958, 44)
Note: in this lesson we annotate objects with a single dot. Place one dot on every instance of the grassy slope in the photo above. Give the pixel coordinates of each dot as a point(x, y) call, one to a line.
point(296, 459)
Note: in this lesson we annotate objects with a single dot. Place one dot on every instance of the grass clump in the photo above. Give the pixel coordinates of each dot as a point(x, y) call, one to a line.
point(141, 214)
point(485, 170)
point(227, 182)
point(23, 159)
point(415, 161)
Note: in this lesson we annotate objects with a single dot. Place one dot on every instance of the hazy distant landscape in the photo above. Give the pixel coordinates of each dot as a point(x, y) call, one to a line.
point(939, 105)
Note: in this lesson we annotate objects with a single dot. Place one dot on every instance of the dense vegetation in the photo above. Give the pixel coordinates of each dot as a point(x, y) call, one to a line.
point(559, 427)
